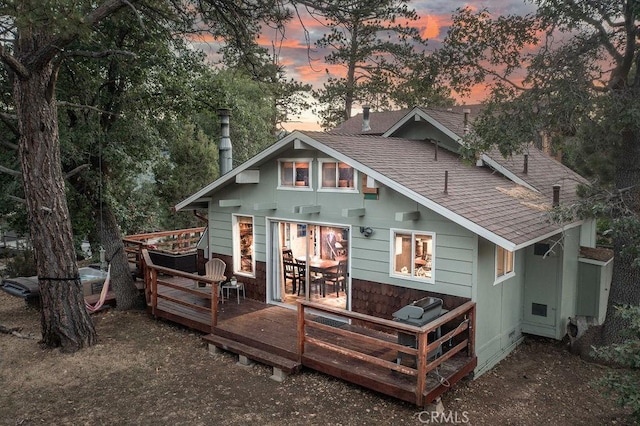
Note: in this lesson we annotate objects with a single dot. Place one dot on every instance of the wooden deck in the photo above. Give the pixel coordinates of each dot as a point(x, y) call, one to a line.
point(360, 349)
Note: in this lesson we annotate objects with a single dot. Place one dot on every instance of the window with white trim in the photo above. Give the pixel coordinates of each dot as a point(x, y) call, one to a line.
point(412, 254)
point(295, 174)
point(337, 175)
point(504, 263)
point(243, 258)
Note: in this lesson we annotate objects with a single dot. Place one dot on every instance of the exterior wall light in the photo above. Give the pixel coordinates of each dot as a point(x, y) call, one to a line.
point(366, 231)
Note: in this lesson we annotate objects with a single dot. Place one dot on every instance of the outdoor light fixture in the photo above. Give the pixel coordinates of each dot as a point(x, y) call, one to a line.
point(366, 231)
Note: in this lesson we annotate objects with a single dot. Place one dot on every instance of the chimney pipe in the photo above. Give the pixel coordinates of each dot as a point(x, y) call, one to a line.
point(446, 181)
point(225, 157)
point(466, 113)
point(526, 164)
point(556, 195)
point(366, 125)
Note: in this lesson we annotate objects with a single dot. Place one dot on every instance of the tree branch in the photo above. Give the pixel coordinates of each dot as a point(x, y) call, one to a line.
point(8, 171)
point(15, 331)
point(76, 170)
point(44, 55)
point(102, 54)
point(600, 29)
point(89, 107)
point(9, 120)
point(14, 65)
point(8, 144)
point(17, 199)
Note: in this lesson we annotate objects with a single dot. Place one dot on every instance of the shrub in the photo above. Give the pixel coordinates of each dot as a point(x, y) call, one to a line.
point(22, 264)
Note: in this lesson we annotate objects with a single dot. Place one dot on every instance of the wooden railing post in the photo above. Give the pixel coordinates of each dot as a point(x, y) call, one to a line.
point(214, 305)
point(154, 290)
point(421, 363)
point(300, 330)
point(472, 331)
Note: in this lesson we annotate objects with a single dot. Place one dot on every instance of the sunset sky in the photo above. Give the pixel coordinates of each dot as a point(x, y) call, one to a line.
point(305, 63)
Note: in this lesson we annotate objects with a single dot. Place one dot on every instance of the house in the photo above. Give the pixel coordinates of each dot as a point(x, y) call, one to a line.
point(394, 200)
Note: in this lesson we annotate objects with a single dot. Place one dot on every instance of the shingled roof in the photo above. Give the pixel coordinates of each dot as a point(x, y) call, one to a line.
point(380, 122)
point(542, 172)
point(487, 199)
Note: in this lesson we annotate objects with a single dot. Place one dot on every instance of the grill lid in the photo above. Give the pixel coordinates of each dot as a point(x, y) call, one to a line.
point(418, 308)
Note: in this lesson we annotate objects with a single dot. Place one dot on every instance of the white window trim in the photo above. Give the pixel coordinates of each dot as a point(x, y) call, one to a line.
point(392, 253)
point(235, 236)
point(294, 187)
point(508, 275)
point(321, 161)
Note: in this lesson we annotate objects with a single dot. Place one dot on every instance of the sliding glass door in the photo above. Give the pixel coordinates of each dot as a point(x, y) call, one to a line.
point(309, 261)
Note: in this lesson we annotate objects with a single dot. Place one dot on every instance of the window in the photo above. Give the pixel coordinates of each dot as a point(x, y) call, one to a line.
point(412, 254)
point(336, 175)
point(295, 174)
point(504, 264)
point(243, 258)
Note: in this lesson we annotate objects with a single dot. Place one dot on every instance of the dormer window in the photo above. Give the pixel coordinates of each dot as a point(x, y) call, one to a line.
point(295, 174)
point(337, 175)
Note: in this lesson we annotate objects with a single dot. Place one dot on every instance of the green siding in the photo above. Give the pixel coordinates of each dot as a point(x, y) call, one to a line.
point(454, 245)
point(423, 130)
point(499, 308)
point(569, 292)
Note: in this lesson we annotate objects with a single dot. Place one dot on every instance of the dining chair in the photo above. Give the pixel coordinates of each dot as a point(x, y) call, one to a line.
point(290, 272)
point(336, 277)
point(301, 273)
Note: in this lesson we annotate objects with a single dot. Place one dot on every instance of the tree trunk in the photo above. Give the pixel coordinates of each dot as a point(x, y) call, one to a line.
point(625, 284)
point(65, 321)
point(127, 295)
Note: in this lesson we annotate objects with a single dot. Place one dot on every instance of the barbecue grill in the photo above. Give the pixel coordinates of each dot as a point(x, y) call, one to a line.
point(419, 313)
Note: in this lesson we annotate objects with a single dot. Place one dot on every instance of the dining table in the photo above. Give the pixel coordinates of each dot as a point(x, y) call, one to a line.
point(320, 267)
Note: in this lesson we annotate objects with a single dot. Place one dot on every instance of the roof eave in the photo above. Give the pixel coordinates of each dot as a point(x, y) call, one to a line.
point(204, 192)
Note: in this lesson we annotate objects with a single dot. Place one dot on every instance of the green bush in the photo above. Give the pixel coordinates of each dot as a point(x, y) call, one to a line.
point(624, 385)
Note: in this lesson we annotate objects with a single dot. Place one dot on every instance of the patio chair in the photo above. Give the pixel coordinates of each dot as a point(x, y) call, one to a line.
point(215, 268)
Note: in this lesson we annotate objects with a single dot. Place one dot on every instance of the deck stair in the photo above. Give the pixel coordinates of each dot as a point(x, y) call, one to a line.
point(282, 365)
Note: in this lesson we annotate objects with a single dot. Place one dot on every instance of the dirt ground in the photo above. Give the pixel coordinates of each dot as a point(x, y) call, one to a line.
point(145, 371)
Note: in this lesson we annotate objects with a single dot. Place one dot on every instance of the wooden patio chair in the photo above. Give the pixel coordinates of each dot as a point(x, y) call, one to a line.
point(215, 269)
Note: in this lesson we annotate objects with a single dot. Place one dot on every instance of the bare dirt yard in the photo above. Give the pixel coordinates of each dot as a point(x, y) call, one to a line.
point(145, 371)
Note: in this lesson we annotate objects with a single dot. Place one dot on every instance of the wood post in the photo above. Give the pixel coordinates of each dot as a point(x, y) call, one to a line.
point(154, 290)
point(472, 331)
point(421, 384)
point(300, 329)
point(214, 305)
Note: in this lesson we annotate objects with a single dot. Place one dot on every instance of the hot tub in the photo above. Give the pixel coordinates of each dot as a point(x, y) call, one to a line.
point(92, 280)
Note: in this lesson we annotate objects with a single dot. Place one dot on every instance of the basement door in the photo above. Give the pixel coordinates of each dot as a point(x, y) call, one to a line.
point(324, 248)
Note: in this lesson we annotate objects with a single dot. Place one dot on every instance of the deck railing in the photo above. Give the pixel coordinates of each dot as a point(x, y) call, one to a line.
point(460, 321)
point(177, 241)
point(153, 279)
